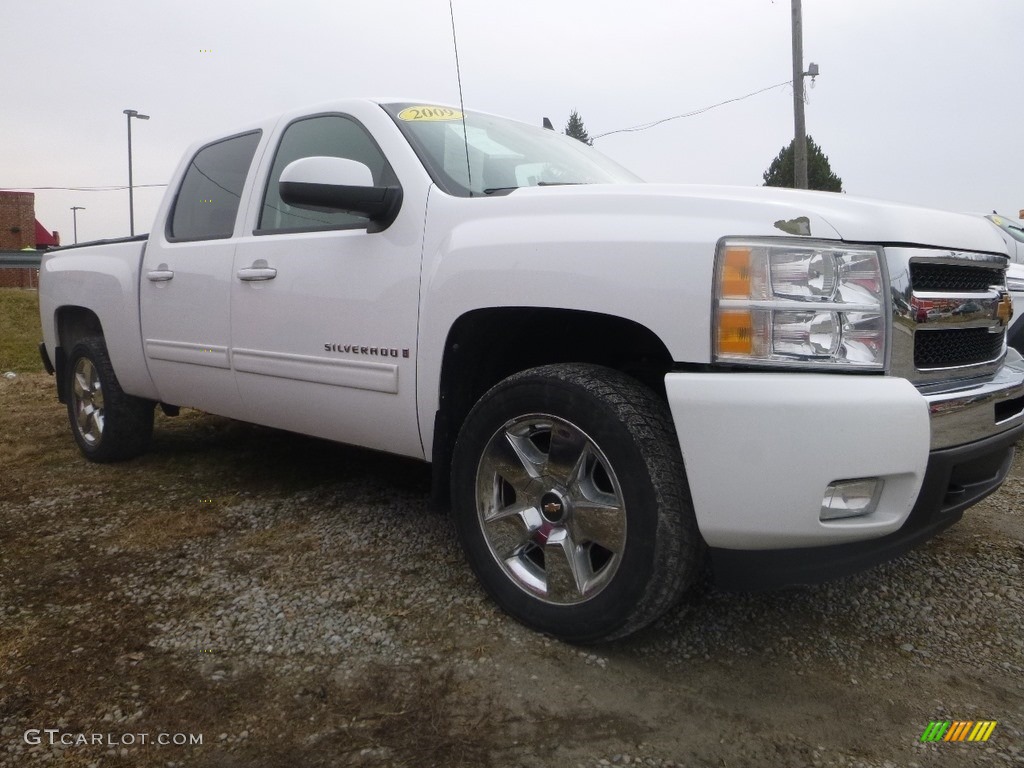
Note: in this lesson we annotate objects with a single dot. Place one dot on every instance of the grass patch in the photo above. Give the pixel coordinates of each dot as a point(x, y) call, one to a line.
point(20, 331)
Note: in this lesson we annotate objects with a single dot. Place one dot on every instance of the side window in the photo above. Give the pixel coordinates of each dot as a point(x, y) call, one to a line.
point(208, 199)
point(322, 136)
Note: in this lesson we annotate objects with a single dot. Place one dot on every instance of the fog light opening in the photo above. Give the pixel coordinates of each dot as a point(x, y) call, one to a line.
point(851, 498)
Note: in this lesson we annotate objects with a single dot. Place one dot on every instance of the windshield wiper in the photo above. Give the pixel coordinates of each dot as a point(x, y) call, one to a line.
point(493, 190)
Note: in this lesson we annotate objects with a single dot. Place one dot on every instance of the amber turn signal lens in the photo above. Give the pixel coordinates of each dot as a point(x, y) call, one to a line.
point(735, 332)
point(735, 283)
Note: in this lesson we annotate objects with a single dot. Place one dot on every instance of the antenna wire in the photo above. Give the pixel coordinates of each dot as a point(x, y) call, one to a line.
point(462, 106)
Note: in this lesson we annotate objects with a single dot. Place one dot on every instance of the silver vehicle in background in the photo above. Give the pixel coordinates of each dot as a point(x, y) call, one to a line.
point(1012, 232)
point(1015, 285)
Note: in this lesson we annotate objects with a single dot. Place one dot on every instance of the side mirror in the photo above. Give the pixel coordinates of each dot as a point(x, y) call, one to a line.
point(339, 184)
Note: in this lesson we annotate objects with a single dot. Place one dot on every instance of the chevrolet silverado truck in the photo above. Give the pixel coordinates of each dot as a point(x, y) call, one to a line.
point(617, 384)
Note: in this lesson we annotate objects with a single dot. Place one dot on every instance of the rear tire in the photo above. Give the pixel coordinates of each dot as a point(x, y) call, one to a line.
point(108, 424)
point(571, 502)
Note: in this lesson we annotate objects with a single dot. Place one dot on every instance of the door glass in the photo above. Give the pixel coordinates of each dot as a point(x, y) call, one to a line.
point(323, 136)
point(208, 199)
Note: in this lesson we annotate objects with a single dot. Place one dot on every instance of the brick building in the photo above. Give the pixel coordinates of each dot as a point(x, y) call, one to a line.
point(21, 233)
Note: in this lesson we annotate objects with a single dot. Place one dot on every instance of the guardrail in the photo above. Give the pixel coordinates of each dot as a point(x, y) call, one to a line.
point(20, 259)
point(20, 269)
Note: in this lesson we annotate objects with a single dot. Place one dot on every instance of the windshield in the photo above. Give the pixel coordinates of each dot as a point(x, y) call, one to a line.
point(503, 154)
point(1012, 227)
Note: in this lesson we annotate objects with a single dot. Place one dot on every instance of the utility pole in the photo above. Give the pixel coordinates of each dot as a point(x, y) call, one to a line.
point(800, 139)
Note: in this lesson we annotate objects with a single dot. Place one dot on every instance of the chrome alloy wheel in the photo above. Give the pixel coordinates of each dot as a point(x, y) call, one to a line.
point(87, 394)
point(551, 509)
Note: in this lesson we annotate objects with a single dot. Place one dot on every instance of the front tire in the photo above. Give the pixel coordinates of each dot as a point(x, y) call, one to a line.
point(108, 424)
point(571, 502)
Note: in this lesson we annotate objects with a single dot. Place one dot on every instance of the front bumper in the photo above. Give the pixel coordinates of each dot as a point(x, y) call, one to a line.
point(974, 412)
point(760, 449)
point(955, 479)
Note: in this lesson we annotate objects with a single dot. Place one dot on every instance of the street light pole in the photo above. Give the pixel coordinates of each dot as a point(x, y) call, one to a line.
point(131, 192)
point(74, 215)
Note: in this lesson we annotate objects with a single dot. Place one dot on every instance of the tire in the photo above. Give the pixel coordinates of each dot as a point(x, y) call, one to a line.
point(108, 424)
point(571, 502)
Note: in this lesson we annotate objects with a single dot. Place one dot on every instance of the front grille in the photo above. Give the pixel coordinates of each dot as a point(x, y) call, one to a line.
point(946, 314)
point(955, 347)
point(953, 278)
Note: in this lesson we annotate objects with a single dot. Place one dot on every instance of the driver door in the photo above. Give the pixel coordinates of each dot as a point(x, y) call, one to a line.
point(323, 313)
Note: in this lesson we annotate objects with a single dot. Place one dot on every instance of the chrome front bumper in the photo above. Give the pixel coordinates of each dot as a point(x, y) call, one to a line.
point(979, 411)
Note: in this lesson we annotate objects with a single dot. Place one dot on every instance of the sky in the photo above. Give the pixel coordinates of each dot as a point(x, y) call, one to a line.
point(917, 100)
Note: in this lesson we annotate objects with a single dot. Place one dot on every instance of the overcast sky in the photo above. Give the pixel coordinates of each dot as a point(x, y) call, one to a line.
point(917, 101)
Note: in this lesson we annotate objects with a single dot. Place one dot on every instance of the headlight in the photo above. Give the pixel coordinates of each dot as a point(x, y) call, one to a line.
point(800, 303)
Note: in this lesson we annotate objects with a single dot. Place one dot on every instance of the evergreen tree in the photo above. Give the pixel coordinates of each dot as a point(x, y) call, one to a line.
point(819, 173)
point(576, 129)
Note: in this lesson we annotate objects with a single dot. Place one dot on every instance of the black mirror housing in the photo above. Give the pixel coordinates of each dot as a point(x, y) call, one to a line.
point(337, 184)
point(379, 204)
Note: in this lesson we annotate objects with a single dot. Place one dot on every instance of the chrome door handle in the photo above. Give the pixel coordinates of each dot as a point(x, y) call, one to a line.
point(258, 271)
point(160, 275)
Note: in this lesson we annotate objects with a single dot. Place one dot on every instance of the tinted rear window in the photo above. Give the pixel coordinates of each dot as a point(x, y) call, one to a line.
point(208, 200)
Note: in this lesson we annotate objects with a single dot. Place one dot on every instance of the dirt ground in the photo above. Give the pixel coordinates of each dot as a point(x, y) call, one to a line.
point(296, 603)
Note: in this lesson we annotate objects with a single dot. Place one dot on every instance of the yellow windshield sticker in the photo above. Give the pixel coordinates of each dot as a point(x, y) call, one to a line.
point(433, 114)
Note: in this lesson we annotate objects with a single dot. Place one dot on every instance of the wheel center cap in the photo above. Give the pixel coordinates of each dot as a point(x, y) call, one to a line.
point(552, 507)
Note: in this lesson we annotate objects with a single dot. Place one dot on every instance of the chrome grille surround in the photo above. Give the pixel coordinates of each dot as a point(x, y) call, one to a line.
point(948, 326)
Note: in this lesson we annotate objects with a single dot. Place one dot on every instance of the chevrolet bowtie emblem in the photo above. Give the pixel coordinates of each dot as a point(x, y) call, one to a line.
point(552, 508)
point(1004, 310)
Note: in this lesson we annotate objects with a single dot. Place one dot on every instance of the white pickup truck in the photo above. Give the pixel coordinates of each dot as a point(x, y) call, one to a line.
point(616, 383)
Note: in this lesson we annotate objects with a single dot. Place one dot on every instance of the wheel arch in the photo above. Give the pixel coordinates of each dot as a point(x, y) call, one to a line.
point(72, 323)
point(485, 346)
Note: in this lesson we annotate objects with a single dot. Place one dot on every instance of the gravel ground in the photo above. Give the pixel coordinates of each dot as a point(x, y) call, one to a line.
point(297, 603)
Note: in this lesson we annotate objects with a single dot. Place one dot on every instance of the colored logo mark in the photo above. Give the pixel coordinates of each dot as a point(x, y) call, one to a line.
point(1004, 310)
point(958, 730)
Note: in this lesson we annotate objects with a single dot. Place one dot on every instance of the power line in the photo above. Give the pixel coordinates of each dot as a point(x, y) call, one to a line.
point(645, 126)
point(631, 129)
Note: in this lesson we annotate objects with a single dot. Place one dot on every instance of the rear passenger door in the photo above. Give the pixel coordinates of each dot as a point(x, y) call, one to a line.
point(186, 281)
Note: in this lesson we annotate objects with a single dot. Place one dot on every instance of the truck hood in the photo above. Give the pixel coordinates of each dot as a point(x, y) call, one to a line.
point(759, 211)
